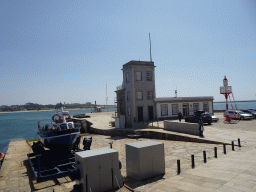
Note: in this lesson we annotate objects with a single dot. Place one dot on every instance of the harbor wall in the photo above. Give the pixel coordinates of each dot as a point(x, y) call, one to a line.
point(182, 127)
point(152, 134)
point(85, 125)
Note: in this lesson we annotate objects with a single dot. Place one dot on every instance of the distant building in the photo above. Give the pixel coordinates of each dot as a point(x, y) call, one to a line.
point(88, 103)
point(136, 97)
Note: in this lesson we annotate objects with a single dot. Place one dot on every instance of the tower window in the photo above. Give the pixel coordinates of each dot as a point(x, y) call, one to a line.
point(128, 95)
point(129, 111)
point(139, 95)
point(127, 77)
point(149, 75)
point(149, 94)
point(138, 76)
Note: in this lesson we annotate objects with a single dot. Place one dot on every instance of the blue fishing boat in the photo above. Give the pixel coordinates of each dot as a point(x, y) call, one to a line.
point(60, 134)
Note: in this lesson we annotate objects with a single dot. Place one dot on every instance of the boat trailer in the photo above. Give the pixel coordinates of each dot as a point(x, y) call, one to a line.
point(48, 164)
point(51, 170)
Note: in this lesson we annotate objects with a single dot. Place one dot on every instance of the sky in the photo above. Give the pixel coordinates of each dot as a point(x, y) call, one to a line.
point(70, 51)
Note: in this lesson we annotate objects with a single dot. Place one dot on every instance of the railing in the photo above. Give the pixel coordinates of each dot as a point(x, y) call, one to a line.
point(120, 87)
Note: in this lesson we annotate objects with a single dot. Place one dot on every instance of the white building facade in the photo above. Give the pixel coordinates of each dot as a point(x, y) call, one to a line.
point(137, 102)
point(169, 107)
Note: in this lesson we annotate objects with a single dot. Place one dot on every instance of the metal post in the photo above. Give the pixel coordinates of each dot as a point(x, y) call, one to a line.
point(239, 144)
point(110, 144)
point(178, 166)
point(233, 147)
point(193, 161)
point(224, 148)
point(215, 150)
point(204, 156)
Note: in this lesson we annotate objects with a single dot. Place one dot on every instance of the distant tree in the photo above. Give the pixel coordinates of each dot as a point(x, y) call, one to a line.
point(58, 105)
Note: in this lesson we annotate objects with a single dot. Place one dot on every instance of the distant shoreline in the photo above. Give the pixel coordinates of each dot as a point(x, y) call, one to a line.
point(46, 110)
point(235, 101)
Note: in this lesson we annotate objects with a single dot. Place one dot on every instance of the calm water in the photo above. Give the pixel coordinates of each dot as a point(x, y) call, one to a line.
point(23, 125)
point(239, 105)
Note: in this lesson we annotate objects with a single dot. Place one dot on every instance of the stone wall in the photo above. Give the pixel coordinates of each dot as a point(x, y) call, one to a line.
point(85, 125)
point(182, 127)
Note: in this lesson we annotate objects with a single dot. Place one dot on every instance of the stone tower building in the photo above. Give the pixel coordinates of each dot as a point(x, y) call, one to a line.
point(135, 97)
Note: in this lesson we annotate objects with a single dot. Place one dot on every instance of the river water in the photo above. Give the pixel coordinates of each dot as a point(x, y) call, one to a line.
point(239, 105)
point(23, 125)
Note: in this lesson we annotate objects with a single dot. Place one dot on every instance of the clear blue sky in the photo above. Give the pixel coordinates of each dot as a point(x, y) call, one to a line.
point(67, 51)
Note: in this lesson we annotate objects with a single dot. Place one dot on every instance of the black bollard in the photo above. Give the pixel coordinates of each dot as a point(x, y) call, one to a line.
point(224, 148)
point(215, 150)
point(233, 147)
point(85, 144)
point(110, 144)
point(178, 166)
point(239, 144)
point(193, 161)
point(204, 156)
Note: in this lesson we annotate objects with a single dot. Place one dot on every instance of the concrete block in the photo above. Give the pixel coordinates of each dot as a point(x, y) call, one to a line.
point(99, 169)
point(144, 159)
point(182, 127)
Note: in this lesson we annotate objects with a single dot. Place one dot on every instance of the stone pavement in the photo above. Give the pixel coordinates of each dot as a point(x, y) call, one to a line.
point(101, 120)
point(13, 174)
point(235, 171)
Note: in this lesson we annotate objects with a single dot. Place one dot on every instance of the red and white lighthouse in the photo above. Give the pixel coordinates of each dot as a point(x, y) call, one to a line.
point(226, 90)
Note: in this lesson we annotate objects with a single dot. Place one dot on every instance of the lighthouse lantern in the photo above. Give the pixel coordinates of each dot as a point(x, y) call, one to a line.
point(225, 81)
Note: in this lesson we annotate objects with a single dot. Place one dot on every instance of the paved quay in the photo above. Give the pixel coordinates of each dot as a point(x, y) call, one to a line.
point(235, 171)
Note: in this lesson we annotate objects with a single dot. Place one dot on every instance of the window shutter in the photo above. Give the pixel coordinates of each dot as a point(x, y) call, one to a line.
point(149, 76)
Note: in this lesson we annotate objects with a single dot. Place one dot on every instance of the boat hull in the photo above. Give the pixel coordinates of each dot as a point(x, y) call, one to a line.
point(51, 140)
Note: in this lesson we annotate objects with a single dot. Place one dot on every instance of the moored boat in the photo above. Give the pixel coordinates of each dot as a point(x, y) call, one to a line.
point(61, 134)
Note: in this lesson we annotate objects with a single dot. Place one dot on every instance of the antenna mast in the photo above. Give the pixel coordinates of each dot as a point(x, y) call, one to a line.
point(150, 48)
point(106, 95)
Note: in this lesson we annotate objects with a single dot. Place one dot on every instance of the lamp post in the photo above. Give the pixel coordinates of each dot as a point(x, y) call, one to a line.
point(226, 90)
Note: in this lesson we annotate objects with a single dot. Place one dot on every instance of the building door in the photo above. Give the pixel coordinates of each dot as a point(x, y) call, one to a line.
point(150, 113)
point(140, 113)
point(185, 110)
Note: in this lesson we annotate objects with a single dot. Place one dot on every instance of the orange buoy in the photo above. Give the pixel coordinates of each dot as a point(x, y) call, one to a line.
point(59, 120)
point(1, 156)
